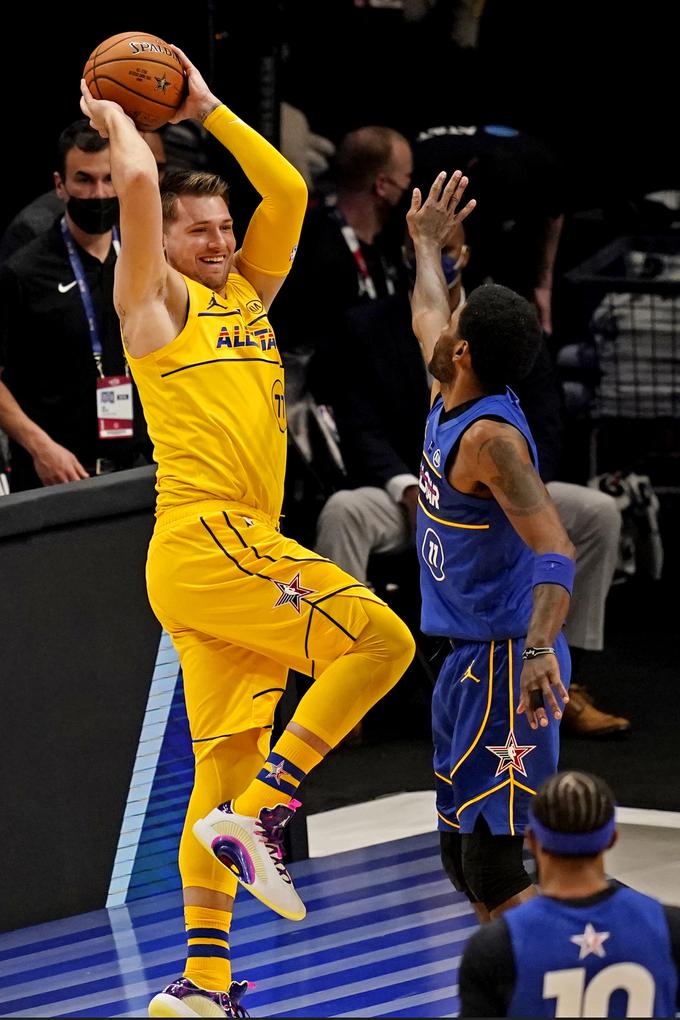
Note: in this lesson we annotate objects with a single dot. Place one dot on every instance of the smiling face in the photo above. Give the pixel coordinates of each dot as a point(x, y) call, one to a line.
point(199, 241)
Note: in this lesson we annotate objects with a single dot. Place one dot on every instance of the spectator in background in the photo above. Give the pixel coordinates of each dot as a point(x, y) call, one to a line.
point(381, 405)
point(40, 214)
point(60, 342)
point(586, 946)
point(343, 258)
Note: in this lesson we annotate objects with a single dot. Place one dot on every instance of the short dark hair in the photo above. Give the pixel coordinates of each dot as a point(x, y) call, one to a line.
point(574, 802)
point(78, 135)
point(363, 154)
point(503, 333)
point(189, 182)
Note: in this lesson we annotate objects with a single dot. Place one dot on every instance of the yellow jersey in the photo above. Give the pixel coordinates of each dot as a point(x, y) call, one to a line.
point(214, 404)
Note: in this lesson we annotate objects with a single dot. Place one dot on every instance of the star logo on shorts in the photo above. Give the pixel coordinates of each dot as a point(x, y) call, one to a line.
point(291, 592)
point(590, 942)
point(510, 754)
point(162, 84)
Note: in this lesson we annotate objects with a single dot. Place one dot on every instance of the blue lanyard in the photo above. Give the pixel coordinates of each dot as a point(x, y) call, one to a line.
point(85, 296)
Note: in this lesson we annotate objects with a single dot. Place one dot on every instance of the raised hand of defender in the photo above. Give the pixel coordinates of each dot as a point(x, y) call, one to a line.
point(431, 220)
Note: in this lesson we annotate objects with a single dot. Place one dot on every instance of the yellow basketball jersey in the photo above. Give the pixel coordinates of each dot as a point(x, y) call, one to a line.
point(214, 404)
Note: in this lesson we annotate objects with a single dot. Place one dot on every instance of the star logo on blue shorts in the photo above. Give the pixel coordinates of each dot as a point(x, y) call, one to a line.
point(510, 754)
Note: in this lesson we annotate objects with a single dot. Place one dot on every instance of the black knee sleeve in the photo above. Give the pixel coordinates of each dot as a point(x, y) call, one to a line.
point(493, 868)
point(451, 849)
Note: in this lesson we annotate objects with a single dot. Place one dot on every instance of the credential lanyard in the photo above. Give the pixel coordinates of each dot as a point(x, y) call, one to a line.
point(367, 284)
point(85, 295)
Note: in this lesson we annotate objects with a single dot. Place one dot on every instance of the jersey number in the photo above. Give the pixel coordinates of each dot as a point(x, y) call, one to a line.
point(575, 999)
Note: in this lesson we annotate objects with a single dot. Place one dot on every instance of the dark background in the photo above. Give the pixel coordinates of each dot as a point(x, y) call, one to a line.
point(594, 83)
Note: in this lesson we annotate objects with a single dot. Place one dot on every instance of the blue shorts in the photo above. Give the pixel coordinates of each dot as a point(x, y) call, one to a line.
point(487, 760)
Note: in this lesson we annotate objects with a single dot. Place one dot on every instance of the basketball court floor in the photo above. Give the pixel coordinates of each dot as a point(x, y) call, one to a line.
point(383, 935)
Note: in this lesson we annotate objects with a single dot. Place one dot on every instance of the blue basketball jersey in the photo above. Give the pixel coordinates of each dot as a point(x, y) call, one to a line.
point(607, 956)
point(475, 570)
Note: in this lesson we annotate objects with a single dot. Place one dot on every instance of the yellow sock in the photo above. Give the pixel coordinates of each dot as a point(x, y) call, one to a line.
point(286, 766)
point(208, 963)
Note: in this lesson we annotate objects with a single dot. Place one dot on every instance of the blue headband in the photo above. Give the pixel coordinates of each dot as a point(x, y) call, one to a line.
point(576, 844)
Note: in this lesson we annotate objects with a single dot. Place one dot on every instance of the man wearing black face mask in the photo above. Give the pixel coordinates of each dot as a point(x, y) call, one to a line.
point(346, 255)
point(67, 401)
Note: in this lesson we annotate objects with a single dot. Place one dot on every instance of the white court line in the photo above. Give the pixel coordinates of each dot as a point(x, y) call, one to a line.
point(648, 816)
point(411, 814)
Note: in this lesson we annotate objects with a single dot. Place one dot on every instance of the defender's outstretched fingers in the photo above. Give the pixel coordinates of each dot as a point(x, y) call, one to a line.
point(454, 190)
point(436, 189)
point(466, 210)
point(416, 200)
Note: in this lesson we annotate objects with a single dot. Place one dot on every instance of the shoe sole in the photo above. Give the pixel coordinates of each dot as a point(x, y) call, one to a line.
point(206, 836)
point(168, 1005)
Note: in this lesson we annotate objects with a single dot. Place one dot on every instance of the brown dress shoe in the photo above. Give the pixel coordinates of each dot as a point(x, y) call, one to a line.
point(581, 719)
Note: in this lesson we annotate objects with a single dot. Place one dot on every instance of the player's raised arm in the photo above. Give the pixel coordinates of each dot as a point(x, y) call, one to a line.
point(268, 248)
point(141, 268)
point(429, 224)
point(495, 455)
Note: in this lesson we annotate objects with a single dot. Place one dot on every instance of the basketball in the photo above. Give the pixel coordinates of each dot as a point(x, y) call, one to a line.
point(141, 73)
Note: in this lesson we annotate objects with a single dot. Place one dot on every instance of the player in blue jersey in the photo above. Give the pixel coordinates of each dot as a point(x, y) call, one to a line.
point(497, 568)
point(586, 946)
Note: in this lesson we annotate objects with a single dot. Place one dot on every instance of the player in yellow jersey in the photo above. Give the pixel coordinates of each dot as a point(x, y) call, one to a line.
point(242, 603)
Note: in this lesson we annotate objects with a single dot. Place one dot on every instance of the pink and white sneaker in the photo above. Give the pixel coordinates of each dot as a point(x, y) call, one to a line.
point(252, 848)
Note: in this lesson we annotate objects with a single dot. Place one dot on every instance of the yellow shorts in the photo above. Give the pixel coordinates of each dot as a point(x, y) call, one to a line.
point(243, 605)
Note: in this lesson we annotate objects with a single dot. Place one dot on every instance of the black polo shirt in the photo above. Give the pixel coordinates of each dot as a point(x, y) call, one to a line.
point(47, 357)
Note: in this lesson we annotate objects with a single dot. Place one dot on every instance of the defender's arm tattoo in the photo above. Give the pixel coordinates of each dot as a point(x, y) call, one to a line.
point(521, 490)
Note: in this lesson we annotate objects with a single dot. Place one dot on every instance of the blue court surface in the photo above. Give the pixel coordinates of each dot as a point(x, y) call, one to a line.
point(382, 938)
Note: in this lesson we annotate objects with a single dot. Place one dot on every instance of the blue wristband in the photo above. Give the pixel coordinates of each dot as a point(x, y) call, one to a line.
point(553, 568)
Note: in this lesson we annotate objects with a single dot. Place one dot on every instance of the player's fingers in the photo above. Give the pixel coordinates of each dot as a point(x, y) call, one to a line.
point(451, 187)
point(84, 89)
point(537, 706)
point(549, 697)
point(466, 210)
point(435, 190)
point(525, 708)
point(458, 190)
point(561, 690)
point(416, 200)
point(182, 56)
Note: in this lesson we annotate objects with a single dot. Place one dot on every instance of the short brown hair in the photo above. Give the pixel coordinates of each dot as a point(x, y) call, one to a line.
point(362, 155)
point(189, 182)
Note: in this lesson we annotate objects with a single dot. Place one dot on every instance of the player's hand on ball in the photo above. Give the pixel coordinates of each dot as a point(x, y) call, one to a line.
point(98, 110)
point(199, 101)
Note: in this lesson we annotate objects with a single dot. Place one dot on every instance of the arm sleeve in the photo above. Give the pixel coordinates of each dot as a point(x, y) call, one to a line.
point(487, 972)
point(274, 230)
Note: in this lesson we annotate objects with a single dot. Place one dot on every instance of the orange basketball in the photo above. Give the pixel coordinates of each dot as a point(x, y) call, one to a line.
point(141, 73)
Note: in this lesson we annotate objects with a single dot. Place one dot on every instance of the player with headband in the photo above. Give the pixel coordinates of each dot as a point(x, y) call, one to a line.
point(587, 946)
